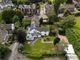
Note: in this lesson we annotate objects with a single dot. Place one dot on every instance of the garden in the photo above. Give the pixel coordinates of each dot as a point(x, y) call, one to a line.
point(73, 35)
point(38, 48)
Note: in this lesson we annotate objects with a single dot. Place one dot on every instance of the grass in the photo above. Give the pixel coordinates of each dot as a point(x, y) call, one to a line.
point(37, 49)
point(73, 35)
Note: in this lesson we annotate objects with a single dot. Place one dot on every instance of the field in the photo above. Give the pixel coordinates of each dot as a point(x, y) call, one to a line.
point(73, 35)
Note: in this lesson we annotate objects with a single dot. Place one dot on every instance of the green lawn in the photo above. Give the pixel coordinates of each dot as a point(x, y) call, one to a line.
point(77, 21)
point(73, 35)
point(37, 49)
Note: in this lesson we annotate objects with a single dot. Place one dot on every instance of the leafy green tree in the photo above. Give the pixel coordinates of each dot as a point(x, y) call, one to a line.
point(21, 36)
point(26, 22)
point(69, 1)
point(19, 13)
point(68, 22)
point(14, 1)
point(17, 24)
point(56, 40)
point(57, 5)
point(15, 18)
point(53, 19)
point(3, 50)
point(7, 15)
point(67, 13)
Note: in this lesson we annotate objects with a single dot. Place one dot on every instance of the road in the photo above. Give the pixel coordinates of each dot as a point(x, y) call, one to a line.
point(14, 51)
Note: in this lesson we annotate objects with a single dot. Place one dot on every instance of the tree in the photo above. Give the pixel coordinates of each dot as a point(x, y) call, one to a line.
point(67, 13)
point(15, 18)
point(26, 22)
point(69, 1)
point(3, 50)
point(7, 15)
point(21, 36)
point(35, 1)
point(19, 13)
point(14, 1)
point(57, 5)
point(53, 19)
point(21, 1)
point(41, 21)
point(68, 22)
point(56, 40)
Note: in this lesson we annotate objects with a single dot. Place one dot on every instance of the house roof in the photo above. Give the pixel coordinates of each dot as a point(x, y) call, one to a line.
point(78, 5)
point(25, 6)
point(3, 34)
point(69, 7)
point(7, 26)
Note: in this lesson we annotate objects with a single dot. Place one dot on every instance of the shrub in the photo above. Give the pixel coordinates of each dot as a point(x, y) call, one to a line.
point(77, 14)
point(3, 51)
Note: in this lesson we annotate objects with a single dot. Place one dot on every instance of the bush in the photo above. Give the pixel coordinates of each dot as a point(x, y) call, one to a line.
point(3, 51)
point(78, 9)
point(66, 13)
point(77, 14)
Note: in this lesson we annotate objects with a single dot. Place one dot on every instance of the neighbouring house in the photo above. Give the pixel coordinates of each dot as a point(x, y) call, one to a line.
point(70, 53)
point(49, 9)
point(35, 20)
point(69, 7)
point(3, 34)
point(29, 9)
point(77, 5)
point(5, 31)
point(8, 27)
point(35, 31)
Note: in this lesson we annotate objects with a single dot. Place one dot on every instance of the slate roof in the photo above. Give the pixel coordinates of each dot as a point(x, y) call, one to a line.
point(69, 7)
point(78, 5)
point(3, 34)
point(6, 26)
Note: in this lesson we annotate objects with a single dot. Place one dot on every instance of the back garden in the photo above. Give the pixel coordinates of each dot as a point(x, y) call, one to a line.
point(40, 47)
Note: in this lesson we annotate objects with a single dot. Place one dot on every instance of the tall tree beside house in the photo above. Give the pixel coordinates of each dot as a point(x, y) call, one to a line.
point(57, 5)
point(67, 13)
point(53, 19)
point(21, 36)
point(56, 40)
point(68, 22)
point(19, 13)
point(21, 2)
point(7, 15)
